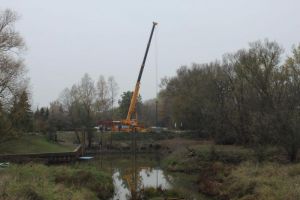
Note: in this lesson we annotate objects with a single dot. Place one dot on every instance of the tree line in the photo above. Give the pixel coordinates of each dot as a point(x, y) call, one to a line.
point(251, 97)
point(79, 107)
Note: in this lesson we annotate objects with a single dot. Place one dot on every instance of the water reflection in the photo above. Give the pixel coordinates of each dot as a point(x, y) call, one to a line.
point(121, 191)
point(133, 174)
point(154, 178)
point(148, 177)
point(131, 180)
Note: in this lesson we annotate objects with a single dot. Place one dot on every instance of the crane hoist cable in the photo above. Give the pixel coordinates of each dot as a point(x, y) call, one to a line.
point(156, 76)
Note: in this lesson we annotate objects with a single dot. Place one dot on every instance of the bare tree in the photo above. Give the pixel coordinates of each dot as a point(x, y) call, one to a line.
point(13, 81)
point(12, 71)
point(10, 39)
point(113, 91)
point(102, 98)
point(70, 101)
point(86, 91)
point(65, 99)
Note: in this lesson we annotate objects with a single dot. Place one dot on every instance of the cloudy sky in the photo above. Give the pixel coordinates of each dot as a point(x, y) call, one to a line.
point(67, 38)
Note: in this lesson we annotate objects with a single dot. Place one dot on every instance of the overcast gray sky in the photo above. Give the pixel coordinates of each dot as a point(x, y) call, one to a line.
point(66, 38)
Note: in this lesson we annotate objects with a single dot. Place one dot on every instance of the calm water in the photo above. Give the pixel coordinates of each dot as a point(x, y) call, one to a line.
point(131, 174)
point(148, 178)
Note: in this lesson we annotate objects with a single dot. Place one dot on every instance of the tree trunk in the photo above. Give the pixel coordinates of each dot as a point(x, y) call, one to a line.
point(292, 153)
point(77, 136)
point(90, 137)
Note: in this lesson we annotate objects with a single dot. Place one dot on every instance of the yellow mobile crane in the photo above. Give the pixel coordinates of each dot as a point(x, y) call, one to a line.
point(131, 122)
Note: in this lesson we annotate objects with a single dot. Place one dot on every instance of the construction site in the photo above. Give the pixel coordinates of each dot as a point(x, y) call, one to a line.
point(137, 100)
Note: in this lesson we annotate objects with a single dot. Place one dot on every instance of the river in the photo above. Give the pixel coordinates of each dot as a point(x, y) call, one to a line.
point(133, 173)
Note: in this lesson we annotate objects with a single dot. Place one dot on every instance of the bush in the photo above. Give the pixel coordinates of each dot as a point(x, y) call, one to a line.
point(95, 181)
point(152, 193)
point(226, 138)
point(224, 153)
point(27, 192)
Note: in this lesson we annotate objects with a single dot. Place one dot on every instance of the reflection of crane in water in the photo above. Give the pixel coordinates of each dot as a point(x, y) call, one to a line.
point(136, 178)
point(133, 179)
point(134, 174)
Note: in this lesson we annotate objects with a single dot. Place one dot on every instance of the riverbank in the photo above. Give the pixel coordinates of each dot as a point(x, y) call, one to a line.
point(220, 171)
point(38, 182)
point(191, 165)
point(233, 172)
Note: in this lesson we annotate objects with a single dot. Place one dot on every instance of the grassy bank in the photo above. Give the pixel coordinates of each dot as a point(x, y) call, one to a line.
point(194, 158)
point(123, 140)
point(160, 194)
point(251, 181)
point(233, 172)
point(267, 181)
point(39, 182)
point(32, 144)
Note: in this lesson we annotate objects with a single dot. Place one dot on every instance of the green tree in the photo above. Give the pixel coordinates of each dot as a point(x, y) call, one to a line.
point(6, 129)
point(124, 103)
point(21, 114)
point(41, 117)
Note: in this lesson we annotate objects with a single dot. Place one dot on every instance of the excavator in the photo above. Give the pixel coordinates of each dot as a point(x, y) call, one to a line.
point(131, 124)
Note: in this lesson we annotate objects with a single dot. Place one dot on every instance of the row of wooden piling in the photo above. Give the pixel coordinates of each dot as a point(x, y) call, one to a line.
point(59, 157)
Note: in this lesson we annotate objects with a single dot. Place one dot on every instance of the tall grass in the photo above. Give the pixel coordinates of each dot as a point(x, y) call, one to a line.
point(39, 182)
point(269, 181)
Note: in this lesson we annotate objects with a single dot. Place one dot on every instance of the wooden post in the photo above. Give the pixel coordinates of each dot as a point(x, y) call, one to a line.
point(83, 143)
